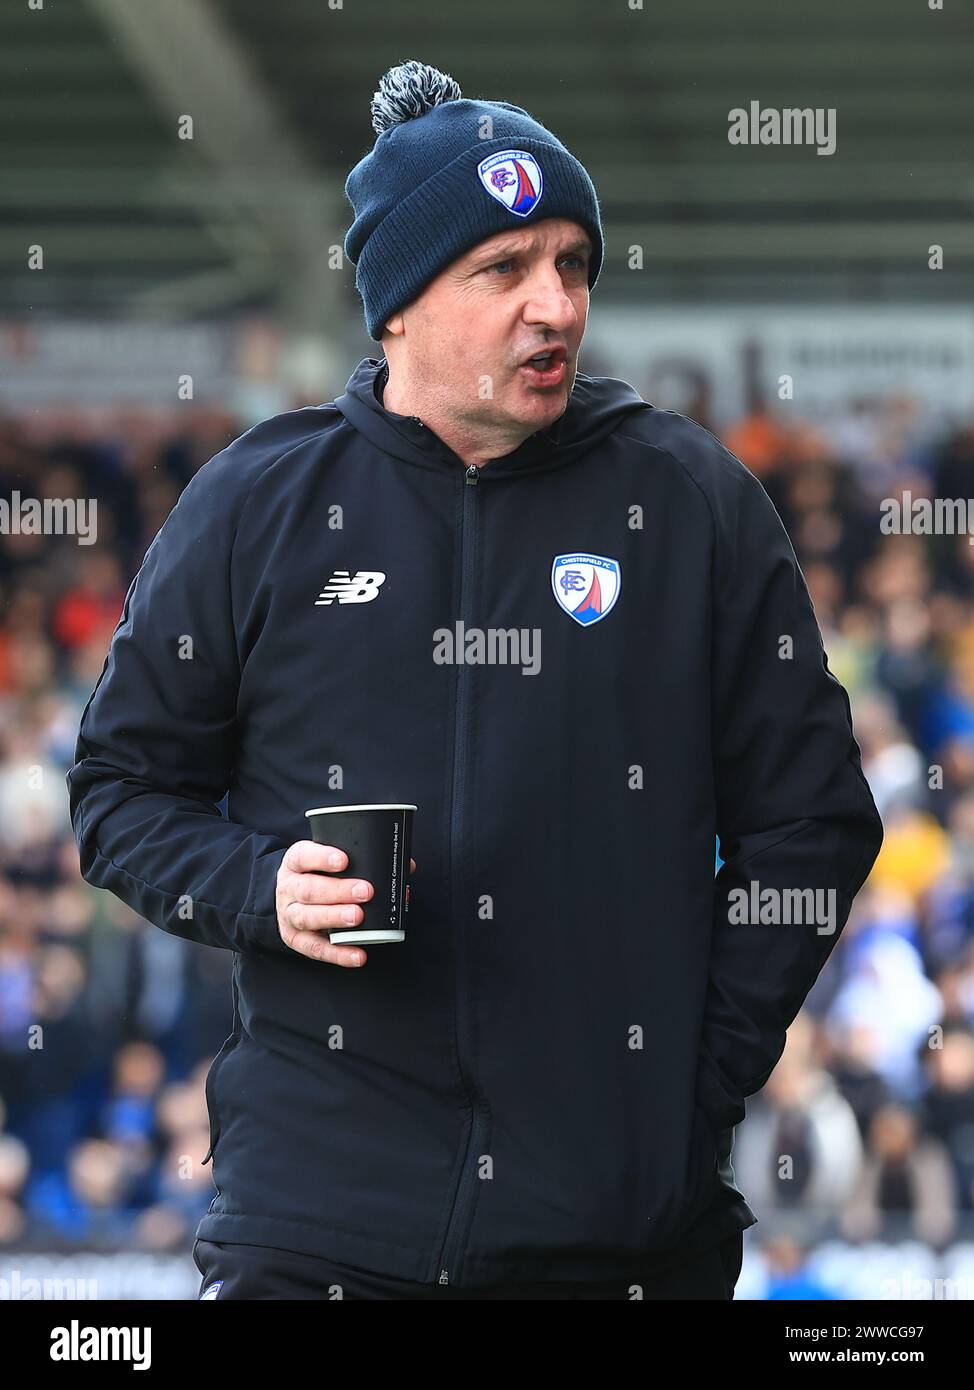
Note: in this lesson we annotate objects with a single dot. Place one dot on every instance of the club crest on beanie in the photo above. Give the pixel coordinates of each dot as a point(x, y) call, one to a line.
point(445, 173)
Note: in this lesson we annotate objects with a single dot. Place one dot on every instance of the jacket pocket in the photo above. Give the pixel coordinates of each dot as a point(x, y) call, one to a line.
point(210, 1090)
point(702, 1181)
point(705, 1137)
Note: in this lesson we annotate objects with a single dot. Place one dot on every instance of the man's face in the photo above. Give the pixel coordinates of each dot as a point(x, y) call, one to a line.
point(512, 296)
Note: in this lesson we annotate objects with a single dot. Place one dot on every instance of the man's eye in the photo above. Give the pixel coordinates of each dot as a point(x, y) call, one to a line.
point(579, 263)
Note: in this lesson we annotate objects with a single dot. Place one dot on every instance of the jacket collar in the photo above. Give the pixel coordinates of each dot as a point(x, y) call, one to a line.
point(595, 407)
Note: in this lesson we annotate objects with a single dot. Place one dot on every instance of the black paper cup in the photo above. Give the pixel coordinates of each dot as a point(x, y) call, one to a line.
point(377, 840)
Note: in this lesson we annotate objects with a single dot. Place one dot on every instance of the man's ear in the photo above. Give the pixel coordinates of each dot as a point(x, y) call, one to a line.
point(394, 327)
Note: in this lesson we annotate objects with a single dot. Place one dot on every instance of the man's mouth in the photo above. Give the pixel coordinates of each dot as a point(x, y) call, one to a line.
point(546, 368)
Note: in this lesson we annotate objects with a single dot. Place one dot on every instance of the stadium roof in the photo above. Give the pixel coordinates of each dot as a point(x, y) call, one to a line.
point(135, 220)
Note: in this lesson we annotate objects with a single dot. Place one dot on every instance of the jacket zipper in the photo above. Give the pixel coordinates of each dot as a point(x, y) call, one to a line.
point(450, 1248)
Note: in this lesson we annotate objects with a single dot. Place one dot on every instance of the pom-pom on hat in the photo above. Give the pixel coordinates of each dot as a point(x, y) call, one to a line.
point(445, 173)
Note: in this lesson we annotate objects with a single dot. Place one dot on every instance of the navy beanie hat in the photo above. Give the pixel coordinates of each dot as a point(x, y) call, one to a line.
point(444, 174)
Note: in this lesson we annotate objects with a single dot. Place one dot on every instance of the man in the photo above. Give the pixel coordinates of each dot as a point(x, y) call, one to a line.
point(571, 629)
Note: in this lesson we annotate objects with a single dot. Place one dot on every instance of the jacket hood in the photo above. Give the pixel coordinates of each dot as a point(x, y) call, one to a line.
point(597, 406)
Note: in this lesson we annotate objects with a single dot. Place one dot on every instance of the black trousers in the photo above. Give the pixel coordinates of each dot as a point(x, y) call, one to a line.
point(259, 1272)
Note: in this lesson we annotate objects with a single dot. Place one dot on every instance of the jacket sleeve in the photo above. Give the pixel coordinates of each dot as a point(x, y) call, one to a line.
point(156, 741)
point(794, 811)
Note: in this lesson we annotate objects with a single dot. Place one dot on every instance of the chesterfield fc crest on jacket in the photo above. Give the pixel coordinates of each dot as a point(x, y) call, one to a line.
point(586, 586)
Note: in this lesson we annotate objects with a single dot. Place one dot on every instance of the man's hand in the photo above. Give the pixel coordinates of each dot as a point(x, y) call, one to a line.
point(311, 901)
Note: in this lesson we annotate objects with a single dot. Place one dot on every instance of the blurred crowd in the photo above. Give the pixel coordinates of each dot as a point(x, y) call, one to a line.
point(108, 1025)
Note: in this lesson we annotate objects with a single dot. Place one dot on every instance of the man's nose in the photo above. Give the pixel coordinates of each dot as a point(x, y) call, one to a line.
point(548, 303)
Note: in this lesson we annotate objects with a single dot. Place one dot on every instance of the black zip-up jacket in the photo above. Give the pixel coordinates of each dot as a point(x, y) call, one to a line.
point(542, 1081)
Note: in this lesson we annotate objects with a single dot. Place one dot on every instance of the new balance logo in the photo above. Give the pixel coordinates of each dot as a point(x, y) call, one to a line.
point(361, 587)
